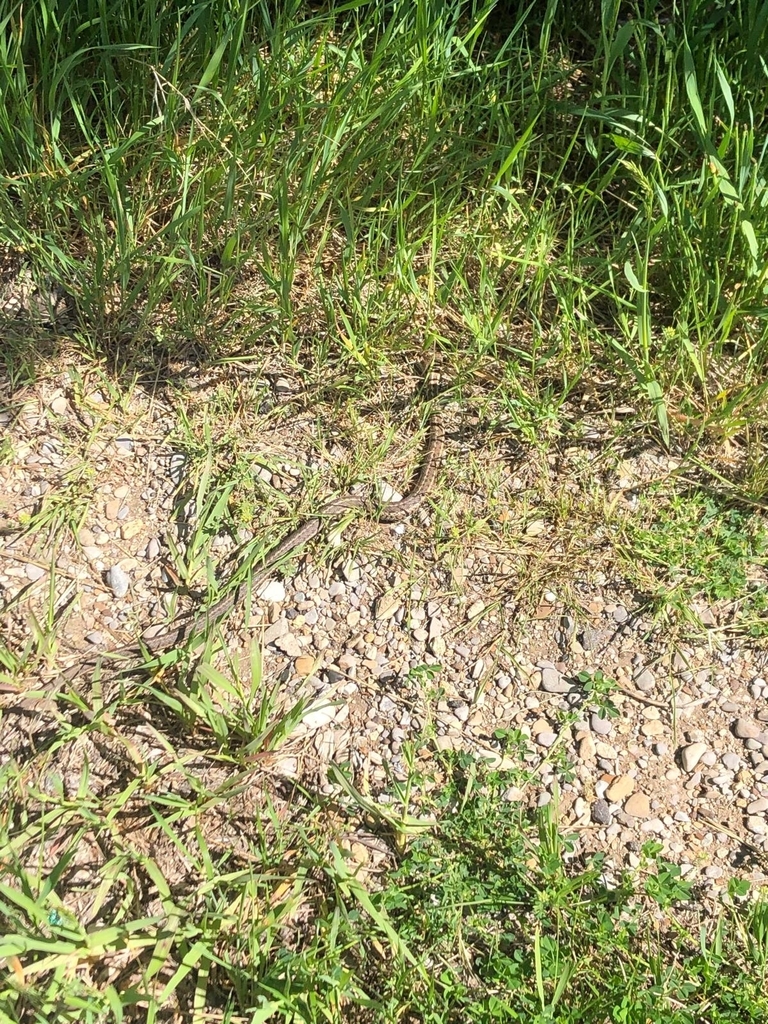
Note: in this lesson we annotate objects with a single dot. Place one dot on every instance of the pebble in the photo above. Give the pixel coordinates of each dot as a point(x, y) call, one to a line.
point(606, 750)
point(152, 550)
point(387, 605)
point(691, 754)
point(731, 761)
point(117, 581)
point(586, 748)
point(59, 405)
point(757, 825)
point(620, 788)
point(545, 739)
point(758, 806)
point(272, 591)
point(652, 728)
point(34, 572)
point(746, 729)
point(601, 812)
point(318, 715)
point(644, 680)
point(475, 609)
point(551, 680)
point(95, 637)
point(638, 805)
point(304, 665)
point(602, 726)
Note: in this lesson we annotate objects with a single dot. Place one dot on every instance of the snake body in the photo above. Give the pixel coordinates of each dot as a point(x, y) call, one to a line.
point(176, 634)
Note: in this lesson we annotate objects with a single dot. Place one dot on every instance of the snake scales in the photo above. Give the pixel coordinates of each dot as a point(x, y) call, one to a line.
point(176, 634)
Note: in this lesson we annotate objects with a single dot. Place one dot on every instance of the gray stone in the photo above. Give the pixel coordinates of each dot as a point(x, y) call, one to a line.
point(545, 739)
point(757, 825)
point(759, 806)
point(602, 726)
point(153, 549)
point(117, 581)
point(731, 761)
point(645, 680)
point(277, 629)
point(552, 681)
point(601, 812)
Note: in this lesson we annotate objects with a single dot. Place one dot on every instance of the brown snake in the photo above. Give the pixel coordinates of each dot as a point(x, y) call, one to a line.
point(176, 634)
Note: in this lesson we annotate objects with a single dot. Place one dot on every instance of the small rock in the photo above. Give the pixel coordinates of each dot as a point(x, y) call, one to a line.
point(606, 751)
point(602, 726)
point(586, 748)
point(34, 572)
point(545, 739)
point(304, 665)
point(731, 761)
point(387, 605)
point(758, 806)
point(551, 680)
point(757, 825)
point(277, 629)
point(95, 637)
point(272, 591)
point(513, 795)
point(691, 754)
point(621, 787)
point(112, 508)
point(130, 530)
point(653, 727)
point(746, 729)
point(319, 714)
point(59, 405)
point(152, 550)
point(117, 581)
point(601, 812)
point(645, 680)
point(289, 645)
point(475, 609)
point(638, 805)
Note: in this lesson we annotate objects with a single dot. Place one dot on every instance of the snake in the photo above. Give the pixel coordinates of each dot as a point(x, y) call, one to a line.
point(176, 634)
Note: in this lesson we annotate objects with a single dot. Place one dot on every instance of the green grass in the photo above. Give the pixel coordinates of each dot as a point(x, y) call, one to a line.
point(563, 207)
point(486, 916)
